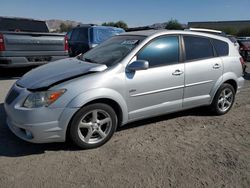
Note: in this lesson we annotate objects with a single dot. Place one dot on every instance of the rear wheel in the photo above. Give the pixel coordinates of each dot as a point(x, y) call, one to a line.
point(93, 125)
point(224, 99)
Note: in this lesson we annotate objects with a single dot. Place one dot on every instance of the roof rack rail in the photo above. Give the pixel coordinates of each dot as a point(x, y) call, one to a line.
point(211, 31)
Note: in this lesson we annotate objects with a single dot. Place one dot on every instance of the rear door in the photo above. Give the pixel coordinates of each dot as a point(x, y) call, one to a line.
point(202, 70)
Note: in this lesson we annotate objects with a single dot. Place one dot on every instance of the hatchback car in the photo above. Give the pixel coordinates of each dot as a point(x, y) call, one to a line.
point(129, 77)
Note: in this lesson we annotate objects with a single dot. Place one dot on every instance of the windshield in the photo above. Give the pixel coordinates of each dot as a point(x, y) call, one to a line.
point(113, 50)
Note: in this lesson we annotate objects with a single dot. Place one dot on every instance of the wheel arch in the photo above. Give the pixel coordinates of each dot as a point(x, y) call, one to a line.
point(102, 95)
point(229, 78)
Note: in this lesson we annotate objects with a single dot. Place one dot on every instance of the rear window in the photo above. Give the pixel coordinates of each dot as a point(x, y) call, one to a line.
point(198, 48)
point(80, 34)
point(221, 47)
point(25, 25)
point(98, 35)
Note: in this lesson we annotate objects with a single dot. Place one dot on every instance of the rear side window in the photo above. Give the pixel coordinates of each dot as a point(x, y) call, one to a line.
point(221, 47)
point(80, 34)
point(161, 51)
point(197, 48)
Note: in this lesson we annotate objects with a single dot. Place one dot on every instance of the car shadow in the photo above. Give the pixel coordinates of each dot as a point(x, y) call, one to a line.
point(200, 111)
point(12, 146)
point(13, 73)
point(247, 76)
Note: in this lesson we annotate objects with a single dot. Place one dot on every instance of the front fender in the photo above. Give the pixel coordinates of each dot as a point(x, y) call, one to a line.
point(100, 93)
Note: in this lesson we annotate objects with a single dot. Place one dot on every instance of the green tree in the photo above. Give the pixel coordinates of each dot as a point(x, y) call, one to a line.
point(229, 30)
point(65, 27)
point(109, 24)
point(120, 24)
point(173, 24)
point(244, 32)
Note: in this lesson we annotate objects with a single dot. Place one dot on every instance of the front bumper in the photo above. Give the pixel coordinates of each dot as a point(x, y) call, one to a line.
point(37, 133)
point(38, 125)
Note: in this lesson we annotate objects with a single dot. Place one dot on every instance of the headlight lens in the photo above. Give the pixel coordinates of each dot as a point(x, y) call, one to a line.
point(41, 99)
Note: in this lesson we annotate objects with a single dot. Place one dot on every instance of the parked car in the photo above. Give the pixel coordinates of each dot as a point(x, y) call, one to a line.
point(245, 48)
point(25, 42)
point(129, 77)
point(234, 41)
point(85, 37)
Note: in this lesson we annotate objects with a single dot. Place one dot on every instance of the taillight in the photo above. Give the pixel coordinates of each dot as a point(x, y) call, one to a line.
point(242, 63)
point(2, 47)
point(66, 44)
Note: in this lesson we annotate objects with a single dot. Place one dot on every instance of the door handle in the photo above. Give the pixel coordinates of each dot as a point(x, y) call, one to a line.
point(177, 73)
point(216, 66)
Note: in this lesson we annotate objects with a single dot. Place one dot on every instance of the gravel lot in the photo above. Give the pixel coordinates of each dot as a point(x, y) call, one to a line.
point(186, 149)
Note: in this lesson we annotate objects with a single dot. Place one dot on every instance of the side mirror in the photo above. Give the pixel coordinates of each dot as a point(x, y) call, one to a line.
point(138, 65)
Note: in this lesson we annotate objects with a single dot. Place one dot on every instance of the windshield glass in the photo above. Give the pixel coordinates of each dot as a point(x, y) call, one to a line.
point(113, 50)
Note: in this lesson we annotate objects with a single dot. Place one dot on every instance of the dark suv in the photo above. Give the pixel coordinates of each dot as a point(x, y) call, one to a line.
point(84, 37)
point(245, 48)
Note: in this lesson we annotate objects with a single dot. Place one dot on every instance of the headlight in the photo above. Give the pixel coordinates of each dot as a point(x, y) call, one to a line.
point(44, 98)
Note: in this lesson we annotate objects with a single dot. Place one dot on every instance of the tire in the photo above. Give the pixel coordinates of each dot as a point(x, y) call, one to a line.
point(93, 125)
point(223, 100)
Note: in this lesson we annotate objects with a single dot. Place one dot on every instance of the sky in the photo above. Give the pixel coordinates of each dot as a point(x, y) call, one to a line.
point(133, 12)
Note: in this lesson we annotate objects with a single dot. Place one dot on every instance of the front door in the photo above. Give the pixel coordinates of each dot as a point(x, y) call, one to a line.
point(159, 89)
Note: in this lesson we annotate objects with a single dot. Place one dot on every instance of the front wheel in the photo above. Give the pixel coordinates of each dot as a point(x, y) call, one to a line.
point(224, 99)
point(93, 125)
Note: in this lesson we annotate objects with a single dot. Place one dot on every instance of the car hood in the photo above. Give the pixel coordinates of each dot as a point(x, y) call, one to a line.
point(56, 72)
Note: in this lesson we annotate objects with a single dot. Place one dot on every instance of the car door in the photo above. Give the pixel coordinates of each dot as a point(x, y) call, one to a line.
point(159, 89)
point(202, 70)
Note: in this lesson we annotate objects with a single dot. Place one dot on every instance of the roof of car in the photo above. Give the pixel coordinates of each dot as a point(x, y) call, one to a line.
point(97, 26)
point(143, 32)
point(148, 33)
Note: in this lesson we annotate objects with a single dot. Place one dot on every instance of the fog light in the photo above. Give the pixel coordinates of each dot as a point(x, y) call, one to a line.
point(29, 134)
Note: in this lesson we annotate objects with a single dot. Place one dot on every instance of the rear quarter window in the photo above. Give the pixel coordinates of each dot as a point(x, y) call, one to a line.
point(221, 47)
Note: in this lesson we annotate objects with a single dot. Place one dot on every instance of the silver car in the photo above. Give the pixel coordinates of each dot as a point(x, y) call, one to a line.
point(129, 77)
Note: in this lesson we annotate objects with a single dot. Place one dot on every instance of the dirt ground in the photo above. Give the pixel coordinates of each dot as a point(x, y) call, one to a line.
point(187, 149)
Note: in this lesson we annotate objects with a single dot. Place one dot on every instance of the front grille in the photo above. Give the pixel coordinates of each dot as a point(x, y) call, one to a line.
point(12, 96)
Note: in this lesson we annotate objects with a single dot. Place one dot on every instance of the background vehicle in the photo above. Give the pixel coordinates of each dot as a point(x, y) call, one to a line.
point(129, 77)
point(234, 40)
point(84, 37)
point(245, 48)
point(25, 42)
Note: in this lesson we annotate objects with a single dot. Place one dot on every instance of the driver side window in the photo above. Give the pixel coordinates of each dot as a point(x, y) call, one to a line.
point(161, 51)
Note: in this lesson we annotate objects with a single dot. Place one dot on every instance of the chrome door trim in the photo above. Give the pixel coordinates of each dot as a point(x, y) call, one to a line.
point(157, 91)
point(198, 83)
